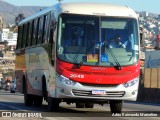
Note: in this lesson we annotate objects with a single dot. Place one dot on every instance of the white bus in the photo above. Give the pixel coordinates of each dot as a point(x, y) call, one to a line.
point(63, 55)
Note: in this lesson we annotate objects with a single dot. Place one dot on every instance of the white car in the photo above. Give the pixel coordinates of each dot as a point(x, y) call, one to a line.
point(13, 86)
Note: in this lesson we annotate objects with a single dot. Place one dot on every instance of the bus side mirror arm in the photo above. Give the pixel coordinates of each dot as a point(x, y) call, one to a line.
point(51, 36)
point(52, 62)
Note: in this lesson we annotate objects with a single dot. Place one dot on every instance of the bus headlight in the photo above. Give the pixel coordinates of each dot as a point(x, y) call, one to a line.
point(66, 81)
point(131, 83)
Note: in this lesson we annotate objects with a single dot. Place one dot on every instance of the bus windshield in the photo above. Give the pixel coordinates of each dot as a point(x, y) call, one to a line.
point(91, 40)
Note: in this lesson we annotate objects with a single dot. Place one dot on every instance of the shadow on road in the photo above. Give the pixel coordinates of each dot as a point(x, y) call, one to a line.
point(62, 112)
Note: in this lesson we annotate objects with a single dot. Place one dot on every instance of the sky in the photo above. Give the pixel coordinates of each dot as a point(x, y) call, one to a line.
point(152, 6)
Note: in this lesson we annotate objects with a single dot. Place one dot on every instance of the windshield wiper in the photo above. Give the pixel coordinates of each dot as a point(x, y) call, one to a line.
point(78, 65)
point(118, 66)
point(75, 64)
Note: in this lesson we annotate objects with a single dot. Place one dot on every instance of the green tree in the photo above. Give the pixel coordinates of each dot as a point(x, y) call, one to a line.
point(19, 18)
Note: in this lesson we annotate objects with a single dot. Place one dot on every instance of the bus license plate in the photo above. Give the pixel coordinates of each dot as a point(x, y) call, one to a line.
point(98, 92)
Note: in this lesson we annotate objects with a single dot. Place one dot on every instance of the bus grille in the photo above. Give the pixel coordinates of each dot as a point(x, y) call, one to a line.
point(89, 93)
point(99, 85)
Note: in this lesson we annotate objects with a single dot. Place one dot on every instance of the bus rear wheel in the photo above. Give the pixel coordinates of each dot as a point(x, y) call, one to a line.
point(53, 104)
point(28, 99)
point(116, 106)
point(38, 100)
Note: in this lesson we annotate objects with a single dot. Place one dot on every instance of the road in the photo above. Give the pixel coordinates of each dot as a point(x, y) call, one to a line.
point(13, 102)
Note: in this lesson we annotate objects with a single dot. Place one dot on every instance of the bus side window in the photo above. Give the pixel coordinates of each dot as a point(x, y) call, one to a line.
point(52, 27)
point(37, 31)
point(40, 28)
point(19, 37)
point(22, 41)
point(34, 32)
point(24, 35)
point(46, 28)
point(43, 27)
point(27, 34)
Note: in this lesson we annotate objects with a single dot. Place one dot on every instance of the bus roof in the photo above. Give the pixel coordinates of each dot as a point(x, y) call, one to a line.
point(100, 9)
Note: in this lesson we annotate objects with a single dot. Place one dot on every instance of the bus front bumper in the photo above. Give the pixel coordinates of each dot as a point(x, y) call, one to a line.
point(75, 90)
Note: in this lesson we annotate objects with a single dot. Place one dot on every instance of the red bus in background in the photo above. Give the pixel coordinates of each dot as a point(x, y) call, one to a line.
point(63, 54)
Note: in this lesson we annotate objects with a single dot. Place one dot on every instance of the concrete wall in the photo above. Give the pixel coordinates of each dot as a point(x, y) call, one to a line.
point(151, 77)
point(149, 87)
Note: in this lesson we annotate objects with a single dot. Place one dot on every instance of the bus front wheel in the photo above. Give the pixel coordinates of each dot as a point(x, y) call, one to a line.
point(53, 104)
point(116, 106)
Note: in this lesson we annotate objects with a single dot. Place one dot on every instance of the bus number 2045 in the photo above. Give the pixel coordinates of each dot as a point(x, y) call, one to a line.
point(76, 76)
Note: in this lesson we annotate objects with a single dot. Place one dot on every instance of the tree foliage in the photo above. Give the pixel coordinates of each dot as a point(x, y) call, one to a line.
point(19, 18)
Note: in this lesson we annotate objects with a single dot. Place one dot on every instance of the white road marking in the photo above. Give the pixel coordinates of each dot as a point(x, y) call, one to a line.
point(12, 107)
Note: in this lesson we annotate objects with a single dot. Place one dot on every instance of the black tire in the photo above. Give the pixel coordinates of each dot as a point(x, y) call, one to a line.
point(53, 104)
point(44, 89)
point(89, 105)
point(28, 99)
point(116, 106)
point(80, 105)
point(38, 100)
